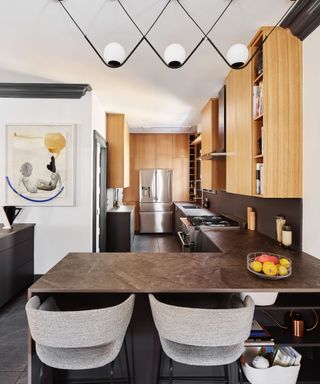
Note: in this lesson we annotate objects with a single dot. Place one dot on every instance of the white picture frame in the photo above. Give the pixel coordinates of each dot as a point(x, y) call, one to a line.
point(40, 165)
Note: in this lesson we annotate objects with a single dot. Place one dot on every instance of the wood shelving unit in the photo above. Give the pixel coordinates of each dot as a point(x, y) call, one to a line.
point(309, 344)
point(192, 164)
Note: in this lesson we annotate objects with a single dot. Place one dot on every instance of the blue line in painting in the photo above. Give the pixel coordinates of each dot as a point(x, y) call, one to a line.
point(33, 200)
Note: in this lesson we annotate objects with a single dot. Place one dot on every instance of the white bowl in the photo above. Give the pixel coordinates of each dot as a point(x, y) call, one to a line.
point(261, 298)
point(272, 375)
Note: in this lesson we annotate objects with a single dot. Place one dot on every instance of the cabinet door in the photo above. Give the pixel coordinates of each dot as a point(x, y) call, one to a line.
point(147, 151)
point(132, 192)
point(239, 132)
point(180, 183)
point(180, 146)
point(117, 135)
point(206, 128)
point(163, 151)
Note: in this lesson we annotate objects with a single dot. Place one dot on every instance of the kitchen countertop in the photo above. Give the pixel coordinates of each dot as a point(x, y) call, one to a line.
point(193, 212)
point(122, 209)
point(180, 272)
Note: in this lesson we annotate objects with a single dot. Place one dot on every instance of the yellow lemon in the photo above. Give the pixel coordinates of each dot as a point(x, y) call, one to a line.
point(284, 262)
point(269, 268)
point(282, 270)
point(256, 266)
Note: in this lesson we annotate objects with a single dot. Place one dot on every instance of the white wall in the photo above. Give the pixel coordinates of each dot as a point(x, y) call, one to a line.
point(59, 230)
point(311, 143)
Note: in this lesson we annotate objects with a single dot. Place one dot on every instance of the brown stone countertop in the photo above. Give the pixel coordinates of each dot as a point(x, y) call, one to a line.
point(180, 272)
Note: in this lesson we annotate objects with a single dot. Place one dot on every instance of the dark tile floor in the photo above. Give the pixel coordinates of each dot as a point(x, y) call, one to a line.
point(13, 342)
point(156, 243)
point(13, 321)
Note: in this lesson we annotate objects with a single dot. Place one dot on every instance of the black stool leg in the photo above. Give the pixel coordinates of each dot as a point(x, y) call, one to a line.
point(127, 362)
point(111, 372)
point(159, 367)
point(226, 373)
point(240, 372)
point(170, 371)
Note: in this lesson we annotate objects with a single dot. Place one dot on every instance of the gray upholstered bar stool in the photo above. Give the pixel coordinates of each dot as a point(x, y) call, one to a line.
point(75, 340)
point(202, 337)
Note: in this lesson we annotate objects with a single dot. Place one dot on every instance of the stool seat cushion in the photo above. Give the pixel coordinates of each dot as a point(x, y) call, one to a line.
point(79, 358)
point(201, 356)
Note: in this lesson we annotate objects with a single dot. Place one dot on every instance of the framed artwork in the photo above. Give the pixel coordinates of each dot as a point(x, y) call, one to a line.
point(40, 165)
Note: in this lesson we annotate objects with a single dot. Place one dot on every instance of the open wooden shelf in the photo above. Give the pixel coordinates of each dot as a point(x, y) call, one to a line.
point(258, 156)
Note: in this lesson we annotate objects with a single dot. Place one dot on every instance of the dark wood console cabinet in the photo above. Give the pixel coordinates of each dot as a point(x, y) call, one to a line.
point(16, 260)
point(120, 229)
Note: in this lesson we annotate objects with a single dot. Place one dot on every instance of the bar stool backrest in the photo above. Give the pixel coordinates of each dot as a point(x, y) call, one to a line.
point(203, 327)
point(77, 329)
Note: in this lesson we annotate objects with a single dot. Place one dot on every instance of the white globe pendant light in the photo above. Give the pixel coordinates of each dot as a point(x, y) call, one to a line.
point(237, 55)
point(114, 54)
point(174, 55)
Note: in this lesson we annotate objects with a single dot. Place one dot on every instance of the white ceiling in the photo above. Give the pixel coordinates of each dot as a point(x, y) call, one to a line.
point(39, 40)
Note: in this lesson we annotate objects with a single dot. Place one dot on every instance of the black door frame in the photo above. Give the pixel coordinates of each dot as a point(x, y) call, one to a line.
point(99, 140)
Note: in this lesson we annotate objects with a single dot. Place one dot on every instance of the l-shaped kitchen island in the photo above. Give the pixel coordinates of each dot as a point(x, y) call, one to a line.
point(87, 280)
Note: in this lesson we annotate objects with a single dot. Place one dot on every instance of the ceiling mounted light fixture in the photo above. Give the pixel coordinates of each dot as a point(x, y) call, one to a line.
point(114, 54)
point(175, 56)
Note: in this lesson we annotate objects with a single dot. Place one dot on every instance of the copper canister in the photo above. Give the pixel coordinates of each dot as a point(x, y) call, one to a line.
point(298, 326)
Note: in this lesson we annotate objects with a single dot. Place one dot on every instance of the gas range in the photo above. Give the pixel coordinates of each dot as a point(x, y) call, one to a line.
point(219, 221)
point(190, 235)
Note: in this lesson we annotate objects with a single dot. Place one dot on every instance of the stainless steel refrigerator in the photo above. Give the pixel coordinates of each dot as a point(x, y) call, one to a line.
point(156, 210)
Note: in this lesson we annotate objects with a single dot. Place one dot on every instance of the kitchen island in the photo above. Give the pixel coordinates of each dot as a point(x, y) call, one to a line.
point(80, 275)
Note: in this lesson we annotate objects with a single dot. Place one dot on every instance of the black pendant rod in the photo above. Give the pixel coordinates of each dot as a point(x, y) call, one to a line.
point(217, 49)
point(144, 35)
point(150, 44)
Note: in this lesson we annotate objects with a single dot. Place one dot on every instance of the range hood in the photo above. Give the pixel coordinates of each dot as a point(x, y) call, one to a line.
point(221, 151)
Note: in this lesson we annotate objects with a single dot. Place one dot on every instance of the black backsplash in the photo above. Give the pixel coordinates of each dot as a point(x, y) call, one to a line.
point(266, 211)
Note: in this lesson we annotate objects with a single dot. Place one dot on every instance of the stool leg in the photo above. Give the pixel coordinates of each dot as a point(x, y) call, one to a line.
point(127, 362)
point(111, 372)
point(159, 367)
point(226, 374)
point(240, 372)
point(170, 371)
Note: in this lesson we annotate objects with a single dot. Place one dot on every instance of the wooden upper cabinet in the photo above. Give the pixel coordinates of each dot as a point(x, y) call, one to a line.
point(147, 151)
point(163, 151)
point(281, 117)
point(117, 135)
point(213, 172)
point(180, 146)
point(209, 126)
point(269, 137)
point(239, 132)
point(131, 194)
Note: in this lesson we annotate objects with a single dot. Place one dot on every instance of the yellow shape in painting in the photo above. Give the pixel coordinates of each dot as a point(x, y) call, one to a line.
point(55, 142)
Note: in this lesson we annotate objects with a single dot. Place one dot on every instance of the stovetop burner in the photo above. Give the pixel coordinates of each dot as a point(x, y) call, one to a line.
point(212, 221)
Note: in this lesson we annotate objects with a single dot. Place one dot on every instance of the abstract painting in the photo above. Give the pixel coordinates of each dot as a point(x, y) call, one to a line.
point(40, 165)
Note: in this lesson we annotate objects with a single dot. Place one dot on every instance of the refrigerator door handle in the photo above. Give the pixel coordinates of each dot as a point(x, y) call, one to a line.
point(156, 182)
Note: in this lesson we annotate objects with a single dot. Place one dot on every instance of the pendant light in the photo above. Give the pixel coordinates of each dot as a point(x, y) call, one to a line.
point(237, 55)
point(114, 54)
point(175, 56)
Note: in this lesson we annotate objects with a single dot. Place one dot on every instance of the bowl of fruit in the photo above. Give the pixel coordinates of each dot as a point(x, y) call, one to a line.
point(269, 266)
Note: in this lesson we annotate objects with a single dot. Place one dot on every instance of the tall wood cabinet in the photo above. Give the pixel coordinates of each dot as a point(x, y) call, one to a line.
point(213, 170)
point(238, 135)
point(264, 128)
point(117, 134)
